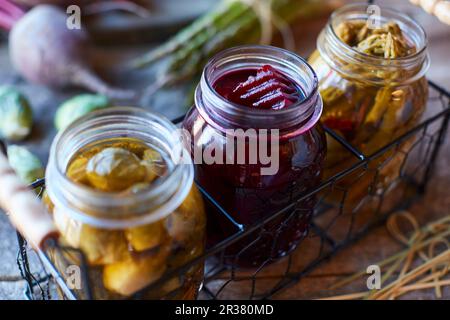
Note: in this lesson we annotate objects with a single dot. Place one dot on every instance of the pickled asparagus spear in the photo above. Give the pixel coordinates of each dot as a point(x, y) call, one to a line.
point(380, 106)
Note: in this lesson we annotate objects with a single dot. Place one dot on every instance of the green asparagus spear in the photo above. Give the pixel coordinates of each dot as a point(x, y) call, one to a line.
point(226, 11)
point(209, 46)
point(233, 23)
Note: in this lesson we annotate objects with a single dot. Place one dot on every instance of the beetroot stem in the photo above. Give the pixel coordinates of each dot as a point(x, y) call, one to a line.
point(104, 6)
point(87, 79)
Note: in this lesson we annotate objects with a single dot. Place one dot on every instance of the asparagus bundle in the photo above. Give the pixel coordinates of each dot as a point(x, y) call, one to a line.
point(231, 23)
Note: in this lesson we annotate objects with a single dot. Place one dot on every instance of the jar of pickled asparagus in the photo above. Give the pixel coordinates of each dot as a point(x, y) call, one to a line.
point(371, 71)
point(119, 185)
point(257, 147)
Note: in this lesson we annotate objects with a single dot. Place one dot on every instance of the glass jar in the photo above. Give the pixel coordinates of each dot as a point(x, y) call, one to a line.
point(129, 238)
point(370, 100)
point(241, 188)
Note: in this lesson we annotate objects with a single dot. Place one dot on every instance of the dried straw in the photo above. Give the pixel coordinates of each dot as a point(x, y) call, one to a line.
point(420, 266)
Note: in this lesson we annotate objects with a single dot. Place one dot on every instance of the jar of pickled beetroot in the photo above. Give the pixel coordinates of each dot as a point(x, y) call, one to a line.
point(257, 147)
point(126, 206)
point(371, 71)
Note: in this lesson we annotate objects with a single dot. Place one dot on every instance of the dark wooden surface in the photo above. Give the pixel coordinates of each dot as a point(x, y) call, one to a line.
point(375, 247)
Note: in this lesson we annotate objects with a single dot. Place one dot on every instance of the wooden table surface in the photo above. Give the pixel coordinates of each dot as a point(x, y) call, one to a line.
point(375, 247)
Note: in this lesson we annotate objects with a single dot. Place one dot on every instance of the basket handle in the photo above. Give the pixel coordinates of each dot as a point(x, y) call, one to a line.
point(27, 214)
point(439, 8)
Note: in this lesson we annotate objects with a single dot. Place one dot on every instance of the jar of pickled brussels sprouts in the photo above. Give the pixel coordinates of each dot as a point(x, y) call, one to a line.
point(371, 73)
point(120, 189)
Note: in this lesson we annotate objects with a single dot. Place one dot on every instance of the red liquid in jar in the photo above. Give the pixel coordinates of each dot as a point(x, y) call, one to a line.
point(249, 196)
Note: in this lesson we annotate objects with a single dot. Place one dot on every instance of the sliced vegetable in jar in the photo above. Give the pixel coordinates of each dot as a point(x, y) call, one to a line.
point(374, 89)
point(355, 108)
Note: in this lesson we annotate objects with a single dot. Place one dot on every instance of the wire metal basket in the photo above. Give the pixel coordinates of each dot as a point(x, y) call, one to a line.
point(349, 204)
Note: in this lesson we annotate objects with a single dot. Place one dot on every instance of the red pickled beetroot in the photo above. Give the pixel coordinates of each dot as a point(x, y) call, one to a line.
point(264, 88)
point(276, 100)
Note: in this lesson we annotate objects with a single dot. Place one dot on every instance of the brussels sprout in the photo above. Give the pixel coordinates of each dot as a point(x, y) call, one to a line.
point(115, 169)
point(129, 276)
point(77, 107)
point(27, 166)
point(77, 171)
point(16, 116)
point(100, 246)
point(186, 223)
point(146, 237)
point(154, 163)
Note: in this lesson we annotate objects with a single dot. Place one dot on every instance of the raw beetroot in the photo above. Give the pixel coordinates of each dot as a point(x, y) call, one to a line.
point(45, 51)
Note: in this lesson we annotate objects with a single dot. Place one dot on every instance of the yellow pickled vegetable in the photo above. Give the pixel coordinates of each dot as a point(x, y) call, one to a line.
point(131, 275)
point(100, 246)
point(77, 171)
point(154, 164)
point(146, 237)
point(187, 218)
point(114, 169)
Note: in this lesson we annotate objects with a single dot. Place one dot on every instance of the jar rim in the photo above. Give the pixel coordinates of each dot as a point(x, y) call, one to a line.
point(206, 93)
point(139, 208)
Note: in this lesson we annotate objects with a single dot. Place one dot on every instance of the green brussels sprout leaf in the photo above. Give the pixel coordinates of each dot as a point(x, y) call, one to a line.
point(16, 116)
point(27, 166)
